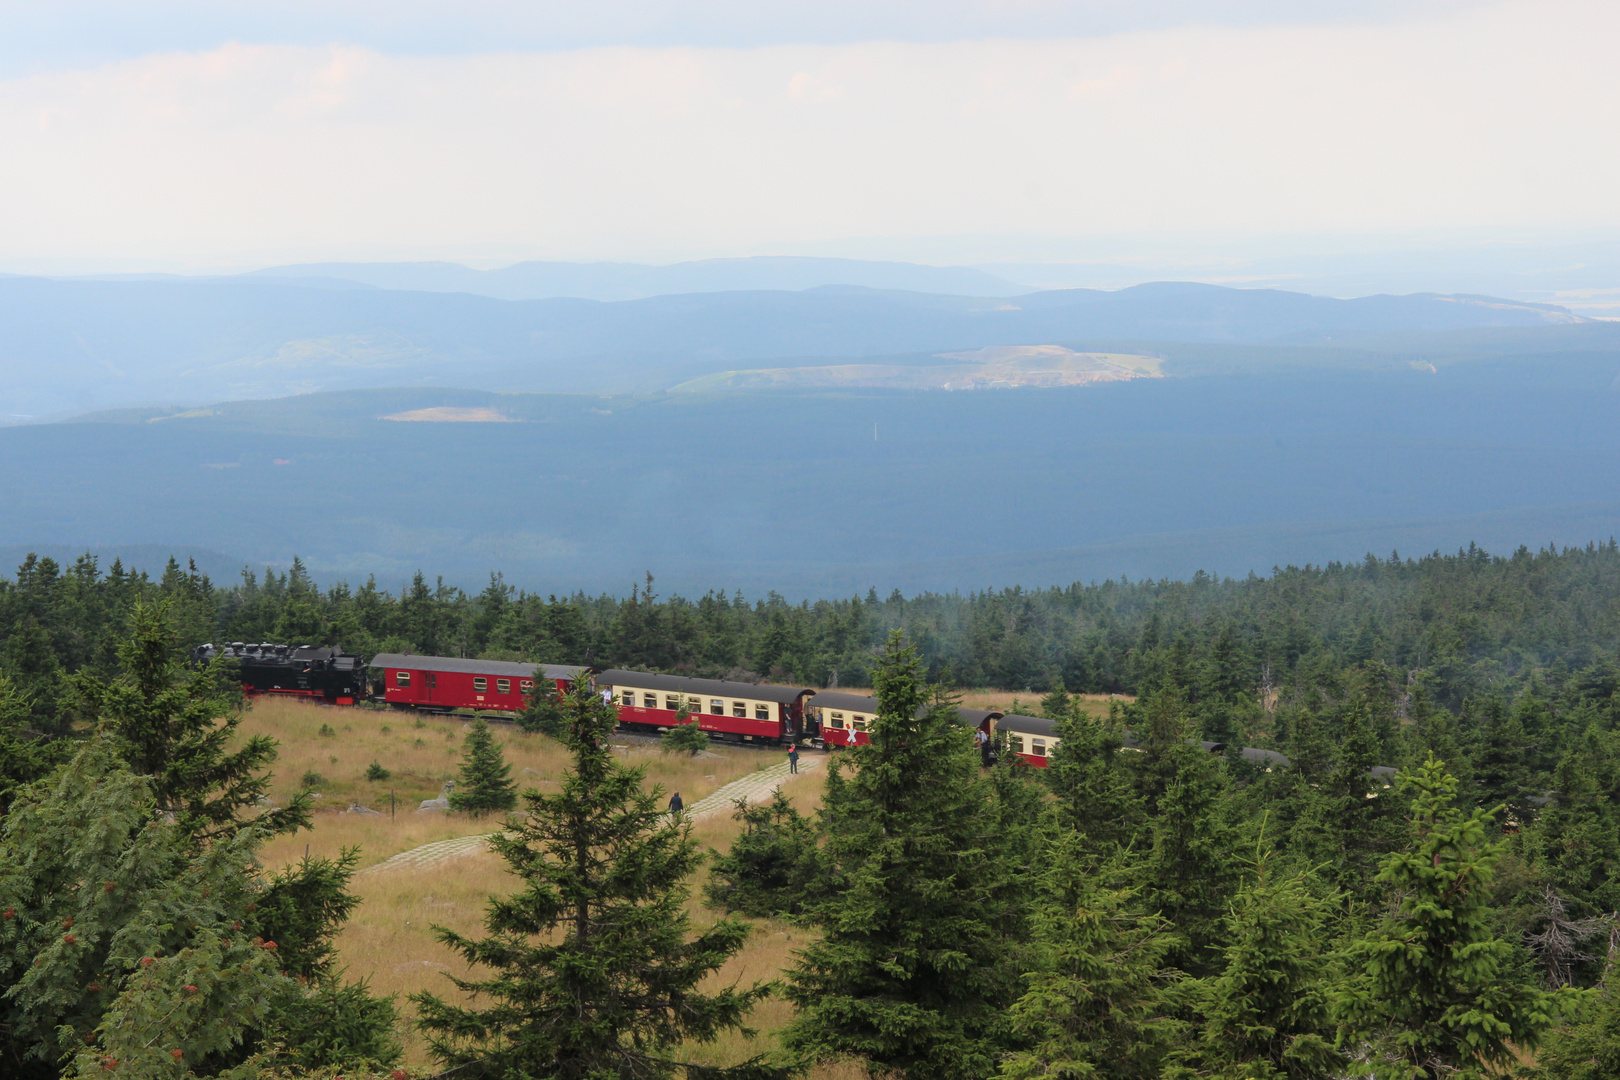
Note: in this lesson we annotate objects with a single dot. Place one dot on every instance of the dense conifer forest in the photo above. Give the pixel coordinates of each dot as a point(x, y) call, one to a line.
point(1140, 909)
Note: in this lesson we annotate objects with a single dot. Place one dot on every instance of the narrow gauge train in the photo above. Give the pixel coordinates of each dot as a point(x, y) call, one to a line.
point(728, 711)
point(442, 683)
point(326, 673)
point(845, 720)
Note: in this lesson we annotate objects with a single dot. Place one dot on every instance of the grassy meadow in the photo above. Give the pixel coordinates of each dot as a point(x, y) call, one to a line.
point(420, 754)
point(390, 939)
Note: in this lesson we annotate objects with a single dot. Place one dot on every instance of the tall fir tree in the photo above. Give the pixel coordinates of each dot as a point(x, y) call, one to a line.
point(1092, 789)
point(484, 785)
point(1350, 820)
point(177, 725)
point(1577, 836)
point(593, 967)
point(93, 848)
point(1267, 1014)
point(911, 974)
point(1189, 866)
point(1585, 1047)
point(1096, 1006)
point(122, 944)
point(774, 867)
point(1436, 992)
point(25, 756)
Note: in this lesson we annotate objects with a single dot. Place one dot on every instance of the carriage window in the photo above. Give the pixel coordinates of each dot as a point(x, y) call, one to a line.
point(649, 701)
point(761, 711)
point(717, 707)
point(503, 686)
point(480, 683)
point(672, 703)
point(402, 678)
point(630, 698)
point(1015, 743)
point(860, 723)
point(1037, 747)
point(739, 708)
point(526, 685)
point(836, 720)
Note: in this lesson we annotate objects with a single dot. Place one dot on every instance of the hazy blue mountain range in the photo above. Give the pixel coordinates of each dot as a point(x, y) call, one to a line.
point(829, 492)
point(635, 281)
point(74, 345)
point(1582, 274)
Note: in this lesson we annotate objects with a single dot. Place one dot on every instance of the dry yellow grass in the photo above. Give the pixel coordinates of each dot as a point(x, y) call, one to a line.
point(422, 753)
point(390, 939)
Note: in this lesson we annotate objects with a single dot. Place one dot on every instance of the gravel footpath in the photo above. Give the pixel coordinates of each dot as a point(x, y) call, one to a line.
point(756, 787)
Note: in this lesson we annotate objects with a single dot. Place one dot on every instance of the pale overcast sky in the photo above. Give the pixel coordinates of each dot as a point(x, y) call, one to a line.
point(227, 135)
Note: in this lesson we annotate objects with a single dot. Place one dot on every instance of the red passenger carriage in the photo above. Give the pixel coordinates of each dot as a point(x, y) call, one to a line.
point(442, 683)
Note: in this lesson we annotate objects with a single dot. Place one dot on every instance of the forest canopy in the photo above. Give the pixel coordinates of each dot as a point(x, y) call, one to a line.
point(1422, 887)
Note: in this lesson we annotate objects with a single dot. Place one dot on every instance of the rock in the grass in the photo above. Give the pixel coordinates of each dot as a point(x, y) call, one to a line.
point(441, 805)
point(356, 808)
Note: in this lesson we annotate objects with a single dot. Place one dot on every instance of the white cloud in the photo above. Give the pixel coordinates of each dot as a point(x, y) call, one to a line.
point(1488, 117)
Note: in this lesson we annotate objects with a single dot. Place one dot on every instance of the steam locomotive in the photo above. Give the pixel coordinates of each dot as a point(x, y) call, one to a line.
point(324, 673)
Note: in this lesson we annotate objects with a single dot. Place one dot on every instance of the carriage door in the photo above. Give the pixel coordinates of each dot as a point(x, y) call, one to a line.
point(427, 686)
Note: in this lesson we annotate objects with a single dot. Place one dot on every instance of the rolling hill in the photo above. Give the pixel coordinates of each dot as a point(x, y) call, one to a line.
point(816, 491)
point(71, 346)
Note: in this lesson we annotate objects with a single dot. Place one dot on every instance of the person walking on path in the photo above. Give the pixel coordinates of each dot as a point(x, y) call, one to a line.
point(675, 804)
point(793, 757)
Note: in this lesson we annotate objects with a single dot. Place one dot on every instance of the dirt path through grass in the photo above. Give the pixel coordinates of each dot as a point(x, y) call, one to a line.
point(756, 787)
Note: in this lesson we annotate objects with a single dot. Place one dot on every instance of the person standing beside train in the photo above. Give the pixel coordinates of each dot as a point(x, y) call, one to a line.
point(793, 757)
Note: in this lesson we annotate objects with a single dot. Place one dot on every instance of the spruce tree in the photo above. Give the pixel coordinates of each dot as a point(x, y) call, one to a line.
point(24, 757)
point(1268, 1014)
point(542, 711)
point(176, 884)
point(1189, 869)
point(1348, 822)
point(911, 974)
point(1093, 790)
point(687, 736)
point(1436, 992)
point(485, 783)
point(1585, 1048)
point(1578, 835)
point(774, 867)
point(1057, 704)
point(120, 940)
point(177, 724)
point(1096, 1006)
point(594, 971)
